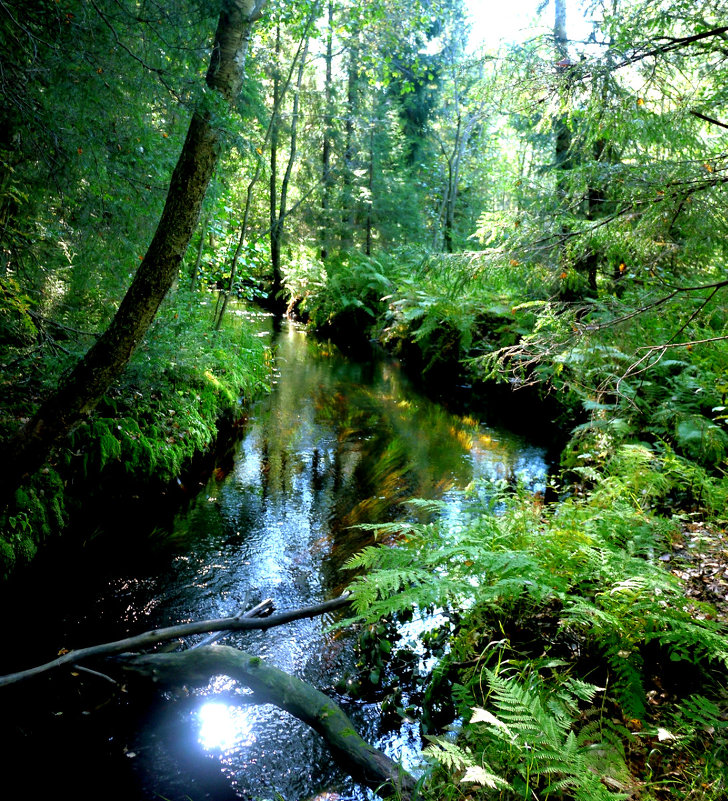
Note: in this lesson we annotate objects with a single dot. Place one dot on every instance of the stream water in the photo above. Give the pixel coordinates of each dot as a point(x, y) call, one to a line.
point(337, 443)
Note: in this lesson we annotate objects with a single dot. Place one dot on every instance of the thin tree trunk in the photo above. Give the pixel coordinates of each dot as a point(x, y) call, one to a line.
point(198, 258)
point(563, 135)
point(370, 187)
point(275, 243)
point(251, 186)
point(328, 133)
point(26, 451)
point(277, 288)
point(454, 160)
point(449, 200)
point(352, 113)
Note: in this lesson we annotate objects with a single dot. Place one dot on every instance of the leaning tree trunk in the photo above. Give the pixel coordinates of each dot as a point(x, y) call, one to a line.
point(107, 358)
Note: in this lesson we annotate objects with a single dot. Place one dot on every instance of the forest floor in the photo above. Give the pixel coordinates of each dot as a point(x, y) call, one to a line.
point(700, 561)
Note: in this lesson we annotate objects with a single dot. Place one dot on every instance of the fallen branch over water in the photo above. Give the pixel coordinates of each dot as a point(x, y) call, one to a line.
point(151, 638)
point(199, 663)
point(271, 685)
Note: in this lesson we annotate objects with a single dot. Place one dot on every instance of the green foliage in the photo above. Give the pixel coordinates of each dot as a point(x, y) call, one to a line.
point(40, 512)
point(181, 380)
point(585, 573)
point(539, 736)
point(16, 325)
point(350, 287)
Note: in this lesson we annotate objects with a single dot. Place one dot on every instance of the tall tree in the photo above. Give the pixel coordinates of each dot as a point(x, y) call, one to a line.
point(278, 196)
point(327, 178)
point(351, 147)
point(26, 451)
point(279, 95)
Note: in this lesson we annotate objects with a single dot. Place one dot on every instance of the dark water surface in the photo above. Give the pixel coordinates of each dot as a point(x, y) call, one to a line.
point(337, 443)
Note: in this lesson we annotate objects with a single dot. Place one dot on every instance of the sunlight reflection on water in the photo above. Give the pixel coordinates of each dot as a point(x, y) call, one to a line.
point(224, 726)
point(336, 444)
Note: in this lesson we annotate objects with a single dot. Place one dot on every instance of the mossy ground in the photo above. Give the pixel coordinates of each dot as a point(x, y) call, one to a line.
point(183, 380)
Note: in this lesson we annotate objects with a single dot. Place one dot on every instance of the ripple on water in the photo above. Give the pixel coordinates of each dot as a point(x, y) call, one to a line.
point(336, 443)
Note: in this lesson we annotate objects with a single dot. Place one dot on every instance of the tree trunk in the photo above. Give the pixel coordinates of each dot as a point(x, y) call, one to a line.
point(275, 238)
point(242, 236)
point(350, 147)
point(328, 134)
point(26, 451)
point(270, 685)
point(370, 188)
point(562, 133)
point(198, 259)
point(280, 223)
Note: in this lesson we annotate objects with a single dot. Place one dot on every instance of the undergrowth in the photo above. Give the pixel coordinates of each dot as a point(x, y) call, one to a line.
point(182, 380)
point(572, 656)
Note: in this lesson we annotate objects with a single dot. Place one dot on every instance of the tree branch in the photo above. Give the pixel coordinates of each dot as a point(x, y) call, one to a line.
point(659, 302)
point(673, 44)
point(709, 119)
point(151, 638)
point(644, 363)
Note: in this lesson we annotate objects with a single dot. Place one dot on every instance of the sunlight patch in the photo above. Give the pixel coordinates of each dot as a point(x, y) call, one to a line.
point(224, 726)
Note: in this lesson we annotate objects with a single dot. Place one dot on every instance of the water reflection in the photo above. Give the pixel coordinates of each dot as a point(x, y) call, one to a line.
point(336, 444)
point(224, 726)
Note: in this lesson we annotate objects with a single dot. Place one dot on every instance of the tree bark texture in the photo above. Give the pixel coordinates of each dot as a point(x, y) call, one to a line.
point(365, 763)
point(107, 358)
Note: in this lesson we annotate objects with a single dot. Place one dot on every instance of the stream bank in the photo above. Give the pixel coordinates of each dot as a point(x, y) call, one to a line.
point(147, 443)
point(337, 443)
point(438, 367)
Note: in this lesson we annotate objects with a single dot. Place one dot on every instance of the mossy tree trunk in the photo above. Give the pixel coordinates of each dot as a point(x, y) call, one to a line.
point(27, 450)
point(270, 685)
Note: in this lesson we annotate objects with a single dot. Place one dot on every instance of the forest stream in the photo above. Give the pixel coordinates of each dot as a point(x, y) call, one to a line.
point(337, 443)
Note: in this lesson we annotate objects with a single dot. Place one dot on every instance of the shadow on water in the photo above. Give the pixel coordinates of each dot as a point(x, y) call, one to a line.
point(336, 444)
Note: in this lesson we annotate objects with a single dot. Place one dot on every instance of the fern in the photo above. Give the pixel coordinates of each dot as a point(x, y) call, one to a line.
point(588, 566)
point(448, 754)
point(455, 760)
point(537, 727)
point(698, 715)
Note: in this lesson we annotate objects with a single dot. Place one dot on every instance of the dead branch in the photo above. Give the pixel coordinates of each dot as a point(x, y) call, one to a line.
point(659, 302)
point(637, 368)
point(711, 120)
point(152, 638)
point(263, 609)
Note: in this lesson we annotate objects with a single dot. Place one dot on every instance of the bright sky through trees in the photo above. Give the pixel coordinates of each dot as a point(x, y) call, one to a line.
point(516, 20)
